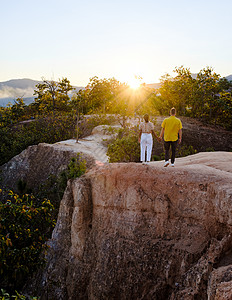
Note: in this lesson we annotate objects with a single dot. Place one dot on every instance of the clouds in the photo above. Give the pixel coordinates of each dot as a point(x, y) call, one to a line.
point(10, 92)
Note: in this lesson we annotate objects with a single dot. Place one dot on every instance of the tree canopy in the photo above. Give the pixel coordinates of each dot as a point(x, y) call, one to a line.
point(207, 97)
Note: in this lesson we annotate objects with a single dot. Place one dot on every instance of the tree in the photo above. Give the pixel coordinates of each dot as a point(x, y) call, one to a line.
point(175, 92)
point(207, 96)
point(52, 95)
point(207, 87)
point(102, 93)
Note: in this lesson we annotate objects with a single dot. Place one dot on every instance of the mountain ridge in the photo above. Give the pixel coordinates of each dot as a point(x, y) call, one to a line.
point(24, 88)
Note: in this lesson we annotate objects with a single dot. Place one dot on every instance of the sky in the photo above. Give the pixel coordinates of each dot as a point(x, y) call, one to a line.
point(76, 39)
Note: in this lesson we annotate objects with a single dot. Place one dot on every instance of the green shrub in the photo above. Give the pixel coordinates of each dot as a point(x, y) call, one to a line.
point(14, 139)
point(156, 157)
point(209, 149)
point(125, 148)
point(76, 168)
point(53, 188)
point(185, 150)
point(6, 296)
point(25, 225)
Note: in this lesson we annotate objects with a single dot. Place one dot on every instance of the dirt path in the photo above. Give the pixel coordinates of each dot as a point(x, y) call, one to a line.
point(91, 145)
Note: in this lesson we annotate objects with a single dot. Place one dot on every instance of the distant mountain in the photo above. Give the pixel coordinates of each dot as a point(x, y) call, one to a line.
point(20, 83)
point(229, 77)
point(19, 88)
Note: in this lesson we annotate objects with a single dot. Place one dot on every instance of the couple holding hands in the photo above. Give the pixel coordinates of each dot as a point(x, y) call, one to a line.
point(171, 131)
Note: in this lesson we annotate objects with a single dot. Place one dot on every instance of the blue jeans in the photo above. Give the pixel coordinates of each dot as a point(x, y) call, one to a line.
point(173, 148)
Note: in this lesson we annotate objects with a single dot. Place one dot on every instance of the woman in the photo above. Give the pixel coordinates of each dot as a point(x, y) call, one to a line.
point(146, 130)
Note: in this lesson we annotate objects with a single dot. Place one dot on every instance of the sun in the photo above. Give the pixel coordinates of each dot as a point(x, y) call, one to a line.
point(134, 82)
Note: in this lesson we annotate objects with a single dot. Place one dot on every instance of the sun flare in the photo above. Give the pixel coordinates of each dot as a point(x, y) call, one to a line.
point(134, 82)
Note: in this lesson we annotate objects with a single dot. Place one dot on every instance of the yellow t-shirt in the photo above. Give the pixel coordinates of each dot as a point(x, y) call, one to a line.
point(171, 127)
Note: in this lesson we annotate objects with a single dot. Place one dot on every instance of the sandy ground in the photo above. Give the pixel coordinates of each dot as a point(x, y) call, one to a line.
point(91, 145)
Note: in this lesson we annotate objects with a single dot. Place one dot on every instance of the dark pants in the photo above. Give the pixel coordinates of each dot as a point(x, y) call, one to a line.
point(173, 147)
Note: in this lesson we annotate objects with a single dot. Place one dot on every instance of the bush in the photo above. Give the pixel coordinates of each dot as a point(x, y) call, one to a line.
point(53, 188)
point(45, 130)
point(76, 168)
point(209, 149)
point(185, 150)
point(14, 139)
point(25, 225)
point(125, 148)
point(156, 157)
point(6, 296)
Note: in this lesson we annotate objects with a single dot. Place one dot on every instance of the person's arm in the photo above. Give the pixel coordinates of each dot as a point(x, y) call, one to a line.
point(180, 136)
point(161, 133)
point(155, 135)
point(140, 133)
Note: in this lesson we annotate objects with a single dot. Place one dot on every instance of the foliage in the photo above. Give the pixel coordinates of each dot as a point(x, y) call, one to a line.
point(6, 296)
point(44, 129)
point(209, 149)
point(125, 148)
point(76, 168)
point(102, 93)
point(52, 95)
point(156, 157)
point(11, 114)
point(175, 92)
point(113, 97)
point(55, 186)
point(207, 96)
point(22, 236)
point(54, 116)
point(185, 150)
point(48, 130)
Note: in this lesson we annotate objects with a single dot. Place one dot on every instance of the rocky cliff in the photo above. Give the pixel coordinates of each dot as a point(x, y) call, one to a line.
point(133, 231)
point(35, 164)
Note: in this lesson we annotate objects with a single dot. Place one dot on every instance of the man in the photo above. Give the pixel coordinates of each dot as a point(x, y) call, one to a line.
point(172, 132)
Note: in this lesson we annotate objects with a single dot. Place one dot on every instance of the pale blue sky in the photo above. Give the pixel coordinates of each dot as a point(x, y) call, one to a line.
point(81, 39)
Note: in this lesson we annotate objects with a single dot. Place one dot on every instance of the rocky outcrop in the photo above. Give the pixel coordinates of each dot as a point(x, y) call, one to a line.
point(35, 164)
point(133, 231)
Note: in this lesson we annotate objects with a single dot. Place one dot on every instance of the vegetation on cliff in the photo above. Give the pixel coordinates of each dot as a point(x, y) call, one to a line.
point(22, 236)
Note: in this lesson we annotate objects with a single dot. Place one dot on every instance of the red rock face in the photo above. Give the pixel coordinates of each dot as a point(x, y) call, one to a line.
point(131, 231)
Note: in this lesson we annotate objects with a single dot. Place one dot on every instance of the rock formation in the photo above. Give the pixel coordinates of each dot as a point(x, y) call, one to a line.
point(36, 163)
point(133, 231)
